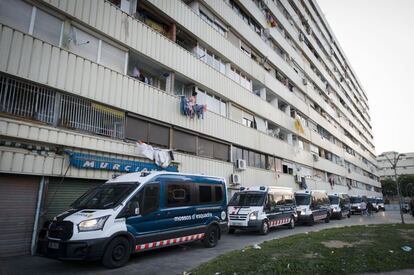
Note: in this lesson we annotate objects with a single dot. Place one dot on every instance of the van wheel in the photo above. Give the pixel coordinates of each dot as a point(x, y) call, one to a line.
point(292, 223)
point(211, 236)
point(349, 215)
point(264, 228)
point(117, 253)
point(232, 230)
point(340, 216)
point(328, 218)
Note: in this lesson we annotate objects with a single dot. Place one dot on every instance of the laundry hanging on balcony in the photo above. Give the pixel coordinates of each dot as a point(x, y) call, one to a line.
point(161, 157)
point(298, 126)
point(189, 107)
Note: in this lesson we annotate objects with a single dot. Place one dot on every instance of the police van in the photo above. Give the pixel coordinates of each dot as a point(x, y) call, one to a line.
point(373, 201)
point(312, 206)
point(139, 212)
point(340, 205)
point(380, 204)
point(358, 204)
point(260, 208)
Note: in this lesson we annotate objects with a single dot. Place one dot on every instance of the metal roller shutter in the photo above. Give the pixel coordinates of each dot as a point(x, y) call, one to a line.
point(18, 198)
point(61, 195)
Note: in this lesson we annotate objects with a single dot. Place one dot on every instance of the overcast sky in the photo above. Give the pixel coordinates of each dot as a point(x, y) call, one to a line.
point(378, 39)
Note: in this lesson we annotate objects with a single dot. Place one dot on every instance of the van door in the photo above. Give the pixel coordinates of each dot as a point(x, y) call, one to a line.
point(147, 221)
point(178, 199)
point(209, 201)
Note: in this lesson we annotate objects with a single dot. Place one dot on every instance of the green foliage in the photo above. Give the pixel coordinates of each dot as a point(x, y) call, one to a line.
point(375, 248)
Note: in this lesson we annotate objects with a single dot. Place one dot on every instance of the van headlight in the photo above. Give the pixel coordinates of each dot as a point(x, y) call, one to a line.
point(253, 215)
point(93, 224)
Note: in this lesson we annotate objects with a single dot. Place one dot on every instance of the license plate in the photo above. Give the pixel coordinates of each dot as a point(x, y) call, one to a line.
point(236, 223)
point(53, 245)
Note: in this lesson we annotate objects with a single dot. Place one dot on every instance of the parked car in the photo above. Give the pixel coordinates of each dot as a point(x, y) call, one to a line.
point(373, 201)
point(312, 206)
point(380, 204)
point(358, 205)
point(261, 208)
point(138, 212)
point(340, 205)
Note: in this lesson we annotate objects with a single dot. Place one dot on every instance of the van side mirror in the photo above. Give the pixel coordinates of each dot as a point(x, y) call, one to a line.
point(132, 209)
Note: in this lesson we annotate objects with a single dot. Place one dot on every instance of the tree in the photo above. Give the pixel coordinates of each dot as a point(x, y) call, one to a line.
point(389, 188)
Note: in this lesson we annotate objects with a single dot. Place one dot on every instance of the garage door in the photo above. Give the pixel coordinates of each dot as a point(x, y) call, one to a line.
point(61, 195)
point(18, 198)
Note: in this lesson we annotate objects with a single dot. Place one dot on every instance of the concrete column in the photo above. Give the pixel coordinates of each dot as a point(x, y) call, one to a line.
point(290, 139)
point(228, 69)
point(287, 110)
point(275, 102)
point(262, 92)
point(169, 83)
point(173, 32)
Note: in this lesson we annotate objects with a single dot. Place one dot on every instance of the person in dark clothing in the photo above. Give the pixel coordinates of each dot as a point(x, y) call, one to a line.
point(370, 208)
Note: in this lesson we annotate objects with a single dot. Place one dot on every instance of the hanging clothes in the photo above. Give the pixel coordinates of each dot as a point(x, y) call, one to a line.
point(161, 157)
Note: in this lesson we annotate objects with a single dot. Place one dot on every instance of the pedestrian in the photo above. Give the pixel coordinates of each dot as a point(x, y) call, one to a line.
point(370, 208)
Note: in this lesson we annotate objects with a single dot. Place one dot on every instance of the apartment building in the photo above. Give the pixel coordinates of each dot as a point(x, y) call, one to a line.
point(257, 91)
point(405, 165)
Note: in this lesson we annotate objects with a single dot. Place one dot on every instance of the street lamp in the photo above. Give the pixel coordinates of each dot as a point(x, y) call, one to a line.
point(394, 166)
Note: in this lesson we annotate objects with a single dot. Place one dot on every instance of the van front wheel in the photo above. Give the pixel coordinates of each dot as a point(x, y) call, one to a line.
point(117, 253)
point(292, 223)
point(264, 228)
point(211, 236)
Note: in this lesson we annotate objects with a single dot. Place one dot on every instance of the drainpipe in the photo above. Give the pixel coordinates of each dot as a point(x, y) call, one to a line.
point(37, 216)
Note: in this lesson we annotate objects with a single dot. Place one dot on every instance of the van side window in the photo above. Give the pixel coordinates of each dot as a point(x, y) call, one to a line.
point(279, 199)
point(150, 200)
point(288, 199)
point(218, 192)
point(178, 194)
point(205, 194)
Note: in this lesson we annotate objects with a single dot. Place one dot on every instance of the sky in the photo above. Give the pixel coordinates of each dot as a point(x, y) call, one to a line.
point(377, 37)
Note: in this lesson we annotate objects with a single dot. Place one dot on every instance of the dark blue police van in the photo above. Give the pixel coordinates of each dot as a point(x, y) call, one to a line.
point(139, 212)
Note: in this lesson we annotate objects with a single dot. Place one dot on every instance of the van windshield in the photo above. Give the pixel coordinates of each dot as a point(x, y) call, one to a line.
point(302, 199)
point(104, 196)
point(247, 199)
point(371, 200)
point(334, 199)
point(356, 200)
point(380, 201)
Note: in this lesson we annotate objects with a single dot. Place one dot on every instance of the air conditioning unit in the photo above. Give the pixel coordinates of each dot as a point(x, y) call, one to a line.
point(315, 157)
point(305, 81)
point(301, 37)
point(235, 179)
point(241, 164)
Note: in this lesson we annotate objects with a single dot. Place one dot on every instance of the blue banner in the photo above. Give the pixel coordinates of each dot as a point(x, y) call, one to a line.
point(86, 161)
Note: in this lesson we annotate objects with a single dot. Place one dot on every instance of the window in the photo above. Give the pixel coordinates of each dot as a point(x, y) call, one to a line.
point(83, 44)
point(178, 194)
point(158, 135)
point(205, 147)
point(29, 19)
point(90, 47)
point(184, 142)
point(138, 129)
point(218, 193)
point(150, 200)
point(47, 27)
point(204, 194)
point(16, 14)
point(112, 57)
point(214, 103)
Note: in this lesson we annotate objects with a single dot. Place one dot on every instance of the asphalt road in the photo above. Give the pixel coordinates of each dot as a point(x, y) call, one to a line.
point(175, 260)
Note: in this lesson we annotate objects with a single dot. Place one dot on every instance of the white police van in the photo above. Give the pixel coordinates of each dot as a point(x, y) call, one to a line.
point(312, 206)
point(260, 208)
point(340, 205)
point(138, 212)
point(358, 204)
point(380, 204)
